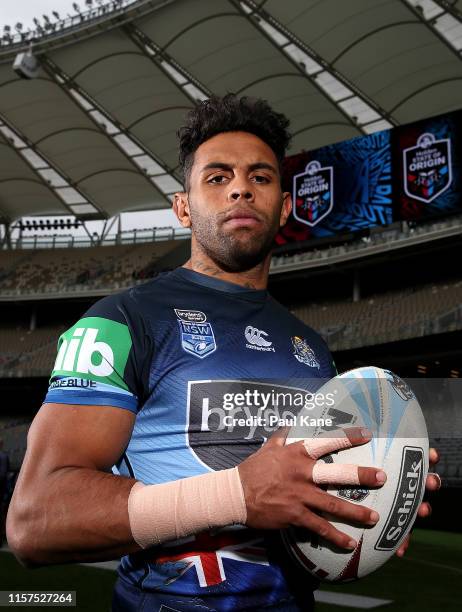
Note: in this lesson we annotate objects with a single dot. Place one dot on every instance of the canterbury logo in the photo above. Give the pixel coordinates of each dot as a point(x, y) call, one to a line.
point(76, 355)
point(256, 337)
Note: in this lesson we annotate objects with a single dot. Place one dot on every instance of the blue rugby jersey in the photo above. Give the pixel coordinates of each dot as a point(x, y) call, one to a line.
point(208, 367)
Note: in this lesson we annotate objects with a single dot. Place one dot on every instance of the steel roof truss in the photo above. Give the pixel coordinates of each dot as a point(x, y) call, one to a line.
point(75, 201)
point(185, 81)
point(355, 105)
point(148, 165)
point(441, 19)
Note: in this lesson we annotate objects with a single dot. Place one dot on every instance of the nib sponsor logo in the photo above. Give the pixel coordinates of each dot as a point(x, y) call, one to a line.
point(76, 354)
point(406, 500)
point(256, 339)
point(95, 348)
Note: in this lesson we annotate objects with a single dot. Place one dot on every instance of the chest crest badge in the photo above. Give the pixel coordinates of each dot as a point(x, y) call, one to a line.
point(197, 337)
point(304, 353)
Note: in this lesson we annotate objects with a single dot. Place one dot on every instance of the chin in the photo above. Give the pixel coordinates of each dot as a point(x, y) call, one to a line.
point(242, 262)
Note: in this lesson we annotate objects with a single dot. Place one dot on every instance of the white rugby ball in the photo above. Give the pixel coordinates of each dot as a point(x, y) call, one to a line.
point(381, 401)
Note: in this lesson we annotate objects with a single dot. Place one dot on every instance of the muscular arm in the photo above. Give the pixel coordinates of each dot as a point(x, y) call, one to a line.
point(67, 506)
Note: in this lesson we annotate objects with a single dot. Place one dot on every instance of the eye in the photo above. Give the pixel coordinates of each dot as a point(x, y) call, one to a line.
point(259, 178)
point(218, 179)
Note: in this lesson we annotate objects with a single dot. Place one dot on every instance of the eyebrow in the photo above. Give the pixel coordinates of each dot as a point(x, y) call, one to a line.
point(223, 166)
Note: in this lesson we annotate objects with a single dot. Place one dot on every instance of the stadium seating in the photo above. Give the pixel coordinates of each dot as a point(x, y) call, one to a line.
point(51, 271)
point(382, 240)
point(13, 432)
point(388, 317)
point(26, 352)
point(450, 465)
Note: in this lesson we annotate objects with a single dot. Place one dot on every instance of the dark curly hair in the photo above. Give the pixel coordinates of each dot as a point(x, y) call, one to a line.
point(231, 114)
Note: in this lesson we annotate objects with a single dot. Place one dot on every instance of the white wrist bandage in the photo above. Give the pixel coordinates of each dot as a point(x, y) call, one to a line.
point(173, 510)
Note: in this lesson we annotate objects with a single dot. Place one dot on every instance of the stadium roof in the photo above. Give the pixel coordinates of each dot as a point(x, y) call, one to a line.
point(95, 133)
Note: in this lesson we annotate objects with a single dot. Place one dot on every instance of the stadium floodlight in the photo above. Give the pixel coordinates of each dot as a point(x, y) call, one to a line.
point(48, 24)
point(56, 15)
point(26, 65)
point(18, 27)
point(76, 8)
point(7, 33)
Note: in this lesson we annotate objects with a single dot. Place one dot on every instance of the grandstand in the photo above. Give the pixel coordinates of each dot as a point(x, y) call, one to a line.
point(387, 317)
point(36, 273)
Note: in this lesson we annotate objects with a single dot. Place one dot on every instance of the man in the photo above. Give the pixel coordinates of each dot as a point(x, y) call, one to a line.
point(148, 380)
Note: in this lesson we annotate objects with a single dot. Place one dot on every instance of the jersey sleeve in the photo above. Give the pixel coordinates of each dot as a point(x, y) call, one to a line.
point(329, 369)
point(101, 360)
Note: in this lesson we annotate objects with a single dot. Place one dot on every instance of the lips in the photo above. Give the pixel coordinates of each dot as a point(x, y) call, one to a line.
point(242, 218)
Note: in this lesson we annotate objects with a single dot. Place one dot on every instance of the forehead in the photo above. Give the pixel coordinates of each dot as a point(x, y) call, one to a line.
point(234, 148)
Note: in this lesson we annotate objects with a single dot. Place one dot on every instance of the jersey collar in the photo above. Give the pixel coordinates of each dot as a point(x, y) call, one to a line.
point(255, 295)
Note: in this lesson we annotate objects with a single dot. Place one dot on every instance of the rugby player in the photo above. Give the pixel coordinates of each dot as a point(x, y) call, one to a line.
point(130, 457)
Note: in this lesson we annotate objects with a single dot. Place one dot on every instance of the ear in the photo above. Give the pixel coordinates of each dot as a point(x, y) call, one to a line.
point(180, 207)
point(286, 208)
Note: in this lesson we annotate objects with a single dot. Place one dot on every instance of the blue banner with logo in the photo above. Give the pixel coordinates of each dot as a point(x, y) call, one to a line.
point(408, 172)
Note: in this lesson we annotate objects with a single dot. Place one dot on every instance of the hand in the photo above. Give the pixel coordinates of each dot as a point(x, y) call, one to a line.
point(433, 483)
point(279, 489)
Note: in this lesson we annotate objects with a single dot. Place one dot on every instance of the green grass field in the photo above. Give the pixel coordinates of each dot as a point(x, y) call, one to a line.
point(428, 578)
point(93, 586)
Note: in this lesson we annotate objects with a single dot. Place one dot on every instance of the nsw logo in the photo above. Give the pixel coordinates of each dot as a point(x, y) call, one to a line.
point(197, 337)
point(313, 193)
point(256, 339)
point(427, 168)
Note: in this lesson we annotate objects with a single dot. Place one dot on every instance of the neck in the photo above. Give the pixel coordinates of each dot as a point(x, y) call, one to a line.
point(255, 278)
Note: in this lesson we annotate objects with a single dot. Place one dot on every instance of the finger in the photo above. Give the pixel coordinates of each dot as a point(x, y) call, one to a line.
point(424, 510)
point(433, 482)
point(404, 546)
point(346, 474)
point(325, 530)
point(371, 476)
point(339, 508)
point(358, 435)
point(433, 456)
point(337, 440)
point(278, 438)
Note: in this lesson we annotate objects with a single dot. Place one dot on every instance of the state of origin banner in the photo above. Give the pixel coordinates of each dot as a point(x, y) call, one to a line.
point(409, 172)
point(427, 176)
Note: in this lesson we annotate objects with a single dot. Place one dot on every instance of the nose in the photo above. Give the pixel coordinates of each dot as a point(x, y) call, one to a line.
point(241, 193)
